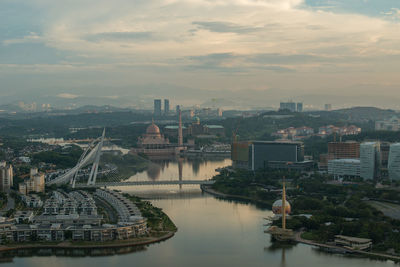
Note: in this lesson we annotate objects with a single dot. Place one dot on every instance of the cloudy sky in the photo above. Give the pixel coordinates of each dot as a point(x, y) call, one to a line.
point(248, 51)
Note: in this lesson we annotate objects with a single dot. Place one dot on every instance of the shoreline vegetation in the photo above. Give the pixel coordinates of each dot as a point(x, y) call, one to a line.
point(332, 209)
point(160, 228)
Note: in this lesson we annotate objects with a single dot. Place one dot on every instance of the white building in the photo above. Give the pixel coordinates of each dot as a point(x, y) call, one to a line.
point(369, 156)
point(341, 168)
point(392, 124)
point(6, 176)
point(394, 162)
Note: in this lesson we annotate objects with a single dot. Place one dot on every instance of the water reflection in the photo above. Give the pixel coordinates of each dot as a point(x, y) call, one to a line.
point(8, 256)
point(181, 168)
point(211, 232)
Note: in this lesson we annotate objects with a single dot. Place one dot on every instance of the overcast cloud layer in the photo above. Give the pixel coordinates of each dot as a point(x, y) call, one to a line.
point(193, 50)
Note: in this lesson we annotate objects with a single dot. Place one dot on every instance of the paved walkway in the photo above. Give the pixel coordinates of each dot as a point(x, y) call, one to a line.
point(366, 253)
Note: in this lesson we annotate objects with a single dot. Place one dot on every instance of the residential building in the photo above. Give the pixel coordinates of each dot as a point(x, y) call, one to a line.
point(291, 106)
point(341, 131)
point(392, 124)
point(32, 201)
point(36, 183)
point(6, 176)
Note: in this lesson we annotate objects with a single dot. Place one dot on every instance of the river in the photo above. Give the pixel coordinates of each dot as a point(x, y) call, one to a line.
point(211, 232)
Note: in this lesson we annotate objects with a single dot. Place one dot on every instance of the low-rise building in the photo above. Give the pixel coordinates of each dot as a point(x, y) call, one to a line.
point(32, 201)
point(353, 242)
point(25, 216)
point(344, 168)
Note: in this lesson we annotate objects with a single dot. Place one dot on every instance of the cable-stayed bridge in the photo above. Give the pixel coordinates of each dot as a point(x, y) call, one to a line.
point(92, 155)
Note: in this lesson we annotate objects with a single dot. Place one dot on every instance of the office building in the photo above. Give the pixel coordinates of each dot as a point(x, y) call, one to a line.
point(299, 107)
point(343, 150)
point(291, 106)
point(344, 168)
point(254, 155)
point(394, 162)
point(370, 159)
point(157, 107)
point(384, 155)
point(264, 154)
point(166, 107)
point(178, 109)
point(6, 176)
point(240, 154)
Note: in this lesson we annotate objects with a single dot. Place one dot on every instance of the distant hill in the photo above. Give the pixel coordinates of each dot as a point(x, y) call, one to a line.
point(367, 113)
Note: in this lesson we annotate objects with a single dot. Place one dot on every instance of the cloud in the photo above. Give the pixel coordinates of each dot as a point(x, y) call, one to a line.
point(120, 36)
point(224, 27)
point(31, 38)
point(67, 96)
point(213, 44)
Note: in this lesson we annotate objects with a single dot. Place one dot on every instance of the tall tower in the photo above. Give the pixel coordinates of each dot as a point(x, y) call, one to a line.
point(166, 107)
point(180, 134)
point(157, 107)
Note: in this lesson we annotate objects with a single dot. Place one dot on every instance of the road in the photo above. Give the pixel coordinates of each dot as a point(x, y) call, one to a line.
point(389, 209)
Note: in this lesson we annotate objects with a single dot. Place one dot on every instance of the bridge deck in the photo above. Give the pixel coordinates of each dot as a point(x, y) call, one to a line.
point(141, 183)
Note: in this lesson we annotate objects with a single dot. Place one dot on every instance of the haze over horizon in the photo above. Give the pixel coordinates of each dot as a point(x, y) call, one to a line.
point(252, 53)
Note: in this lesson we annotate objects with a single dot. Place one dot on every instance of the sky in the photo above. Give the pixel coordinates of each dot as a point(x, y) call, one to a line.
point(247, 52)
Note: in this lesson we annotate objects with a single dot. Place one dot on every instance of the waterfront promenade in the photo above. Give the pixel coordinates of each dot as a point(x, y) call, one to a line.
point(299, 239)
point(92, 245)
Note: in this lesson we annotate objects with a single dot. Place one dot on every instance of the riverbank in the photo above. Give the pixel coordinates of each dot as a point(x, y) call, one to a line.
point(93, 245)
point(343, 250)
point(208, 189)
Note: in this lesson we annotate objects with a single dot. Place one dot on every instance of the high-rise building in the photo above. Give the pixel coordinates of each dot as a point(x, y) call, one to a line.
point(157, 107)
point(178, 108)
point(219, 112)
point(370, 159)
point(394, 162)
point(36, 183)
point(384, 156)
point(343, 150)
point(328, 107)
point(291, 106)
point(166, 107)
point(180, 131)
point(6, 176)
point(299, 107)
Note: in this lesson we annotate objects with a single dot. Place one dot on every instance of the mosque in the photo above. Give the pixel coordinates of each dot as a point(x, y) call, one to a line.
point(153, 142)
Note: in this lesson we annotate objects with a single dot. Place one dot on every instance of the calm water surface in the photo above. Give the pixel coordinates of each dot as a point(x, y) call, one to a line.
point(212, 232)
